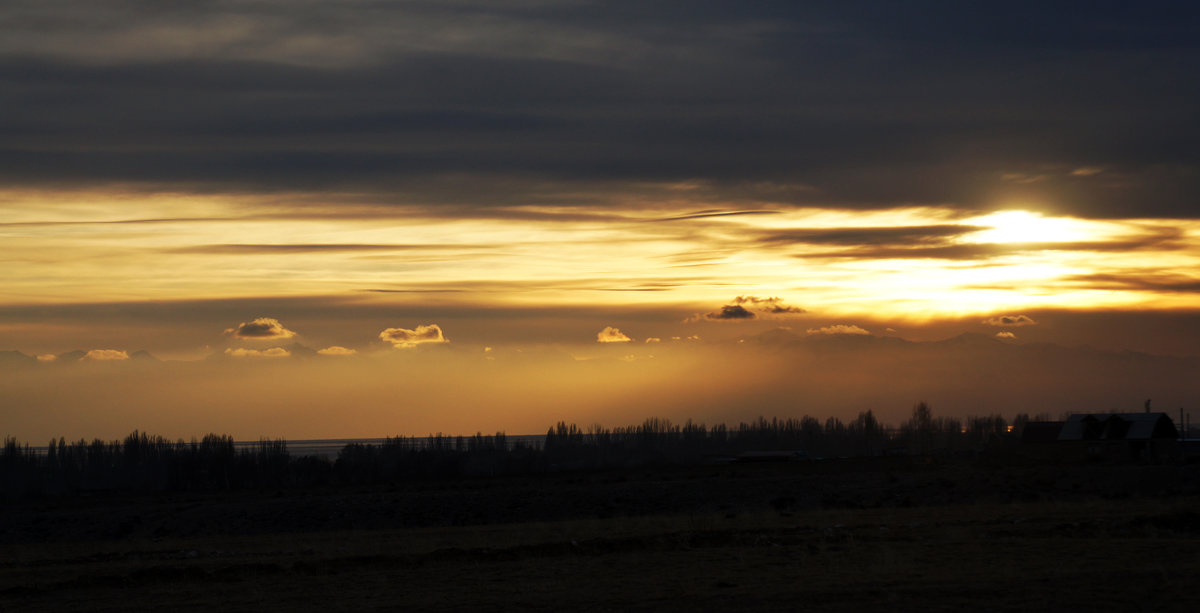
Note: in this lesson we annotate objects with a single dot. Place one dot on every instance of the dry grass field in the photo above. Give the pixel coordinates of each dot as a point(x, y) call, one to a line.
point(839, 536)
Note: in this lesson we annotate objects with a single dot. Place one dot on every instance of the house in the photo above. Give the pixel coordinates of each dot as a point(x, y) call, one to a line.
point(1119, 437)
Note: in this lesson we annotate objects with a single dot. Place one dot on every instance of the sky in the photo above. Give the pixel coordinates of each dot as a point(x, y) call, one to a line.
point(364, 218)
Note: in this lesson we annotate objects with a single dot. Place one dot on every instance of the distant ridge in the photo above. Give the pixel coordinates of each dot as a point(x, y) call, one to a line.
point(142, 355)
point(16, 358)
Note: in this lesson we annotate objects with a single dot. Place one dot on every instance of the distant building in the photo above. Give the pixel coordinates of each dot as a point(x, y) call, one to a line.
point(1120, 437)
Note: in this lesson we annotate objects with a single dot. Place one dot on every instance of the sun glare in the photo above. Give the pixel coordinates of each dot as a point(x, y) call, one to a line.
point(1026, 227)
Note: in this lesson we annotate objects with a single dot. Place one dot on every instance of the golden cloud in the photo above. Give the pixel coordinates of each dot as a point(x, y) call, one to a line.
point(838, 329)
point(611, 335)
point(1010, 320)
point(273, 352)
point(263, 328)
point(106, 355)
point(336, 350)
point(405, 338)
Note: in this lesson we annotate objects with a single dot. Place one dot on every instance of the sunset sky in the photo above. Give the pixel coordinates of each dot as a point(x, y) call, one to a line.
point(496, 215)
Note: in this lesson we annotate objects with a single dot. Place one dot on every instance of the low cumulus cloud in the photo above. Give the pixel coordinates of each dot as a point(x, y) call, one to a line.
point(838, 329)
point(611, 335)
point(773, 305)
point(653, 339)
point(263, 328)
point(405, 338)
point(730, 312)
point(1006, 336)
point(738, 311)
point(106, 355)
point(336, 350)
point(273, 352)
point(1010, 321)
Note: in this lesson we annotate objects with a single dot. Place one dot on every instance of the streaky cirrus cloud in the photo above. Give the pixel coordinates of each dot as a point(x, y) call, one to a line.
point(273, 352)
point(838, 329)
point(263, 328)
point(611, 335)
point(336, 350)
point(404, 338)
point(106, 355)
point(1010, 321)
point(874, 236)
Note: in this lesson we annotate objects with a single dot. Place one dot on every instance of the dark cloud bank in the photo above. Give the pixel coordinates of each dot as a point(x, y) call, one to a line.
point(1087, 107)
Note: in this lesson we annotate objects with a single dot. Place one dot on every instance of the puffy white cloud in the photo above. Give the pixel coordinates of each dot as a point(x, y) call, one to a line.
point(838, 329)
point(336, 350)
point(611, 335)
point(263, 328)
point(106, 355)
point(1006, 335)
point(405, 338)
point(273, 352)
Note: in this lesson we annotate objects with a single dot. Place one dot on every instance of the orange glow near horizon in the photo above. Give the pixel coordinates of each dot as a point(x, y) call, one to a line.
point(127, 247)
point(561, 275)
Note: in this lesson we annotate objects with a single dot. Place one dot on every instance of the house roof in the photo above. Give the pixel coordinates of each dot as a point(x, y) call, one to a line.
point(1117, 426)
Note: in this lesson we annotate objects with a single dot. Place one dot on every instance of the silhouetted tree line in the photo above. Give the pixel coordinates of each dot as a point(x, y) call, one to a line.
point(142, 462)
point(659, 441)
point(146, 463)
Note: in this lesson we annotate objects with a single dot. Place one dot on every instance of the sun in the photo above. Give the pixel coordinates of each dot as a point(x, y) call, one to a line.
point(1019, 226)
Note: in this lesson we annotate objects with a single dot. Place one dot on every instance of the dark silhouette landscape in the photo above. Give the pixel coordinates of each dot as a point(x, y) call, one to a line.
point(599, 305)
point(657, 516)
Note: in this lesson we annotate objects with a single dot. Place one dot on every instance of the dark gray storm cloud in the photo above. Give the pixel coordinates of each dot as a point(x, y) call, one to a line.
point(1082, 106)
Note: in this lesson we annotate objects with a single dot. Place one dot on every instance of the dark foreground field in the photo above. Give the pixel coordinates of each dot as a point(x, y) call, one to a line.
point(843, 536)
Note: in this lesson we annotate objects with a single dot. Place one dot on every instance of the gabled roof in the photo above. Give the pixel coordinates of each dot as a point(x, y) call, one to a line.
point(1117, 426)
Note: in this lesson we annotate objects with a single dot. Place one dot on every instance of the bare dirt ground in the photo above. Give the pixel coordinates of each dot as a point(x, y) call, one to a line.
point(837, 536)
